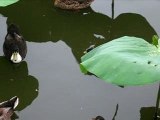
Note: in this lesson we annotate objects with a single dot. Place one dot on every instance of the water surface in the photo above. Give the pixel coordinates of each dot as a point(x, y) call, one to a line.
point(49, 82)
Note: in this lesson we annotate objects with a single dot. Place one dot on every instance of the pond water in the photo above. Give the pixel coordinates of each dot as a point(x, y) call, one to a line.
point(49, 82)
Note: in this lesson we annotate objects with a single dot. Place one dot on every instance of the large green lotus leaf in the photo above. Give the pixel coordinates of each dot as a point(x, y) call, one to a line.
point(4, 3)
point(124, 61)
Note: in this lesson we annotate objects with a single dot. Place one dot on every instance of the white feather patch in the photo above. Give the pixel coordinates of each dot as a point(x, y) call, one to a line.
point(16, 103)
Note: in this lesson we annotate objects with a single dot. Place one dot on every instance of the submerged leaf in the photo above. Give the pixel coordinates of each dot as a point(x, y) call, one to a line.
point(4, 3)
point(124, 61)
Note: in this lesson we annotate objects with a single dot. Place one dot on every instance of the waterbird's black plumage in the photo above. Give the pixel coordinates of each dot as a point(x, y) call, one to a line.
point(14, 42)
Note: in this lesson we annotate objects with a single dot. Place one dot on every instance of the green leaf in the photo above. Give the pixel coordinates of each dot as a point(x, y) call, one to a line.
point(155, 40)
point(4, 3)
point(83, 69)
point(124, 61)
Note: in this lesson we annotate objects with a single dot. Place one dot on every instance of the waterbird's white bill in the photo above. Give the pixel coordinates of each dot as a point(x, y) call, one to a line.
point(16, 58)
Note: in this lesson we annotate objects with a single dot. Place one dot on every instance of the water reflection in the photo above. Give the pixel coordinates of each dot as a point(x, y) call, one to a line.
point(41, 22)
point(15, 81)
point(147, 113)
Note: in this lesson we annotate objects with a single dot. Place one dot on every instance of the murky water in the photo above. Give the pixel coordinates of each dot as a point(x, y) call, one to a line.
point(49, 82)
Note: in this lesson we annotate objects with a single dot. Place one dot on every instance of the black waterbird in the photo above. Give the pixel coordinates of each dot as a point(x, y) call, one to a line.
point(14, 47)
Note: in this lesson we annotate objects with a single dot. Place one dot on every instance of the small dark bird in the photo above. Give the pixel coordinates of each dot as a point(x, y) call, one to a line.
point(98, 118)
point(7, 108)
point(14, 47)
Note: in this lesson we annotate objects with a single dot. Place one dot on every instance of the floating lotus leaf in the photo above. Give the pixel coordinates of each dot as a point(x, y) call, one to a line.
point(4, 3)
point(124, 61)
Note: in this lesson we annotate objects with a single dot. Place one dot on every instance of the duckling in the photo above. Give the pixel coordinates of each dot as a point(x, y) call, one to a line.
point(72, 4)
point(14, 47)
point(7, 108)
point(98, 118)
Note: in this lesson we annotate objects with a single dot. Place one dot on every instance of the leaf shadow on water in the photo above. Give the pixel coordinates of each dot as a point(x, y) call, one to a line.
point(147, 113)
point(15, 81)
point(78, 29)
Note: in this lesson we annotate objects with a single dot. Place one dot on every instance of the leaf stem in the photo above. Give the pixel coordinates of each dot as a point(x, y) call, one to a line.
point(112, 9)
point(157, 104)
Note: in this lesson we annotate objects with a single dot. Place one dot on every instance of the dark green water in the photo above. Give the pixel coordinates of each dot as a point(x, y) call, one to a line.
point(49, 82)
